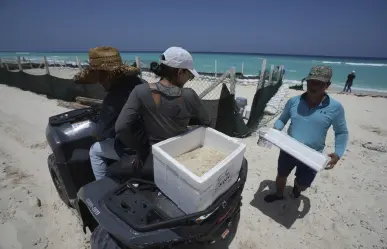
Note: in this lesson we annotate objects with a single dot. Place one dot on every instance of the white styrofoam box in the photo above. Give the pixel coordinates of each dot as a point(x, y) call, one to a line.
point(262, 141)
point(302, 152)
point(188, 191)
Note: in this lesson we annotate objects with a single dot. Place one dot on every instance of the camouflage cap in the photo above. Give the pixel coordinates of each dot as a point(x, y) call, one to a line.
point(320, 73)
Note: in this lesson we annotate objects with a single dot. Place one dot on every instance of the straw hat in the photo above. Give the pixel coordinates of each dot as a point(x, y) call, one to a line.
point(106, 59)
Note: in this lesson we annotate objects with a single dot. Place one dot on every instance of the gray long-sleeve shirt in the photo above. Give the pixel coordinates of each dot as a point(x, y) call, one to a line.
point(170, 118)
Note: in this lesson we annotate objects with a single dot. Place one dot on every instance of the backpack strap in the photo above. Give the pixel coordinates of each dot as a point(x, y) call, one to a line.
point(157, 96)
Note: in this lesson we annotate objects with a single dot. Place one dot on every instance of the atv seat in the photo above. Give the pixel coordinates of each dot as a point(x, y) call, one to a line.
point(122, 170)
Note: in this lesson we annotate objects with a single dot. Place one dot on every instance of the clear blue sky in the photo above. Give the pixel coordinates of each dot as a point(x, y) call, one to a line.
point(330, 27)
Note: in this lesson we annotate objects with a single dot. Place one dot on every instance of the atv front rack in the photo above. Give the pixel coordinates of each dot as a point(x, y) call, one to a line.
point(90, 113)
point(142, 206)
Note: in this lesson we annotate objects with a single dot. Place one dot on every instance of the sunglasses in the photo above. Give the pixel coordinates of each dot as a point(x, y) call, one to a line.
point(316, 83)
point(190, 75)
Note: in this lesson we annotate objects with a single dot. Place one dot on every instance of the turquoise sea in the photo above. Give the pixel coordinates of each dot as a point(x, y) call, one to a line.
point(371, 74)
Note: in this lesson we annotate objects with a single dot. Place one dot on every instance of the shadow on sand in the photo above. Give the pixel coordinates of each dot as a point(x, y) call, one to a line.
point(284, 212)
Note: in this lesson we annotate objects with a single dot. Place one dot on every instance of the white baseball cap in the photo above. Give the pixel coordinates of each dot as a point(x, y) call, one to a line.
point(178, 57)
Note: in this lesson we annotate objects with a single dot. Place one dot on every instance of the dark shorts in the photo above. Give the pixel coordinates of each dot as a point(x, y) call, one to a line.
point(304, 174)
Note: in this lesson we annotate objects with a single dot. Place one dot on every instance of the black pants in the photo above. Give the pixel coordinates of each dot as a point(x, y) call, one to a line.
point(347, 87)
point(131, 166)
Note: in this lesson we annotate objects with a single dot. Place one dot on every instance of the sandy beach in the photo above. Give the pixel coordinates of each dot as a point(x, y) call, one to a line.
point(345, 207)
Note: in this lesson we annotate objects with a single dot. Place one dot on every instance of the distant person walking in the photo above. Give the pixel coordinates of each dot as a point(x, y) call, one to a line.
point(349, 83)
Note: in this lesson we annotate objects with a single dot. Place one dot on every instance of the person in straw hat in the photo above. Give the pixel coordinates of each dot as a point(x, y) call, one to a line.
point(118, 79)
point(165, 106)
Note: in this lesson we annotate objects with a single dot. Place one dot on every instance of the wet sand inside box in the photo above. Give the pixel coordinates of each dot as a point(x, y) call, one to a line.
point(201, 159)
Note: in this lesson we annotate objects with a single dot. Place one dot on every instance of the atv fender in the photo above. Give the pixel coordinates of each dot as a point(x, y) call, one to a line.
point(100, 239)
point(85, 216)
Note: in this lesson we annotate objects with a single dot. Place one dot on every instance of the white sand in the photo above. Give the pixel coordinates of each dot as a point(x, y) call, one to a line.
point(24, 178)
point(200, 160)
point(345, 207)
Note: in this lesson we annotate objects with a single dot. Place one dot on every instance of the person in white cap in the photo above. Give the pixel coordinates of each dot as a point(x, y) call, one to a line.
point(165, 107)
point(349, 82)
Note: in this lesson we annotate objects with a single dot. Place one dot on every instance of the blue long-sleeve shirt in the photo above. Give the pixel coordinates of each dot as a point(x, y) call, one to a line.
point(310, 125)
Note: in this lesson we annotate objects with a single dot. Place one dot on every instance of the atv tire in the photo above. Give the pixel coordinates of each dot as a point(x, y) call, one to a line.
point(100, 239)
point(57, 180)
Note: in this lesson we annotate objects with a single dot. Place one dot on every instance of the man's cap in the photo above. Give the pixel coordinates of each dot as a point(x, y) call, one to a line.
point(320, 73)
point(353, 71)
point(178, 57)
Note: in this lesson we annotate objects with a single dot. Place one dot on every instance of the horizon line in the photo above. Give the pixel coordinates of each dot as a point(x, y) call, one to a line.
point(200, 52)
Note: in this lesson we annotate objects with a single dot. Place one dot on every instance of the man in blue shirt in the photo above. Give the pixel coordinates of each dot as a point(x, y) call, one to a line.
point(311, 115)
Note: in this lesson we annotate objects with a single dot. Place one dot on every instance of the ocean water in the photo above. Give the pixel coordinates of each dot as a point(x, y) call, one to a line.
point(371, 74)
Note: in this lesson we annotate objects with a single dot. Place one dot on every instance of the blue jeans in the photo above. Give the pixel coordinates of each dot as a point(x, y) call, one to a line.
point(99, 152)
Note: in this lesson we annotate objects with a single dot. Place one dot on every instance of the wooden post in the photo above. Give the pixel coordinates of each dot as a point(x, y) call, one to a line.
point(215, 84)
point(30, 63)
point(1, 63)
point(78, 63)
point(233, 80)
point(138, 64)
point(88, 101)
point(280, 73)
point(262, 76)
point(46, 65)
point(71, 105)
point(243, 66)
point(19, 64)
point(216, 68)
point(271, 74)
point(6, 65)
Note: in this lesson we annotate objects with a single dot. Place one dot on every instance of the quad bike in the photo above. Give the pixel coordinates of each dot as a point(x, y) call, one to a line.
point(134, 213)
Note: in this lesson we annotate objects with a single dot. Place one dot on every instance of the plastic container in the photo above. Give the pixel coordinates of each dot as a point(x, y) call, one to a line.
point(262, 141)
point(247, 111)
point(312, 158)
point(241, 103)
point(188, 191)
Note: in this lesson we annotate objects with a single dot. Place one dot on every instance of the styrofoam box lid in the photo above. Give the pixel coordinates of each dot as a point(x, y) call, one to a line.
point(302, 152)
point(202, 136)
